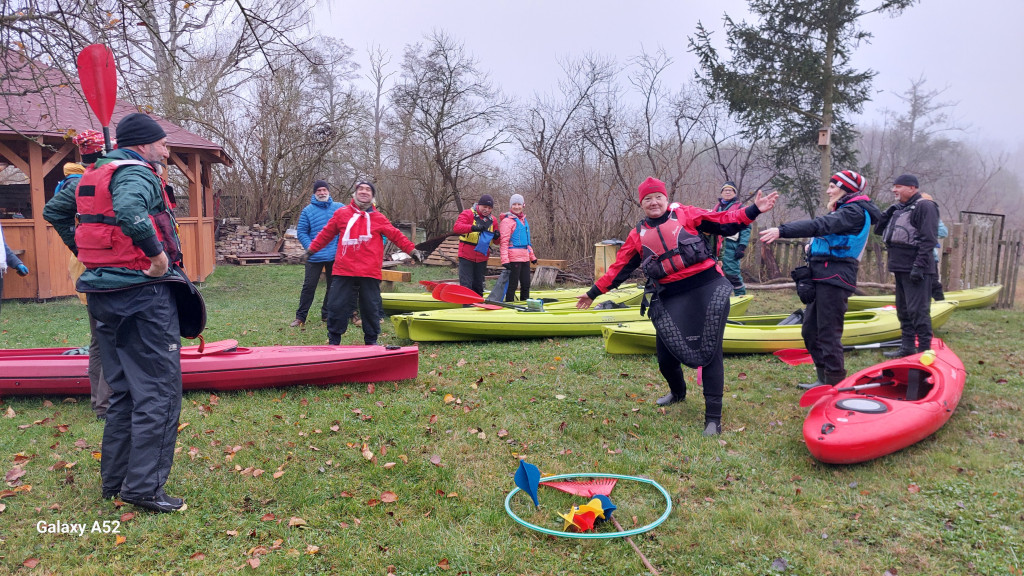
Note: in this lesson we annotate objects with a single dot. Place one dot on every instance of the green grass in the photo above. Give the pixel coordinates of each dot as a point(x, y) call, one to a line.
point(952, 504)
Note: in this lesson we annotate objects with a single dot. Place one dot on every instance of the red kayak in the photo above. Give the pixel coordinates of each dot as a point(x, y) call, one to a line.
point(884, 408)
point(219, 366)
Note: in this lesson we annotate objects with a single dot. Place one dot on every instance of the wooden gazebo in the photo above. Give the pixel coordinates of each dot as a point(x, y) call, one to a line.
point(35, 140)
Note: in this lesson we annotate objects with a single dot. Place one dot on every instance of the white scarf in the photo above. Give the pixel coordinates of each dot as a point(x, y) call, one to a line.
point(3, 253)
point(347, 239)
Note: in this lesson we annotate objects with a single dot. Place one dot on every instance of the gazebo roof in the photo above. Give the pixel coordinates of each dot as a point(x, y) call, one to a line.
point(39, 101)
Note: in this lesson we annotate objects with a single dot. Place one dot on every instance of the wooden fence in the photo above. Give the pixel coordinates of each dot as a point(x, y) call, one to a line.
point(976, 253)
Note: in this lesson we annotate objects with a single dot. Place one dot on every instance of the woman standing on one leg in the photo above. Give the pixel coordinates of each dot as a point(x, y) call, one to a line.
point(690, 299)
point(516, 250)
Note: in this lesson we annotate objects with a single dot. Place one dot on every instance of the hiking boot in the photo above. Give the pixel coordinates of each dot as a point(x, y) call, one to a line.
point(297, 323)
point(669, 399)
point(712, 428)
point(159, 503)
point(898, 353)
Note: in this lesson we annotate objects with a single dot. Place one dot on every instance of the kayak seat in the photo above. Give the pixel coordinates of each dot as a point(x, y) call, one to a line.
point(733, 322)
point(76, 352)
point(797, 317)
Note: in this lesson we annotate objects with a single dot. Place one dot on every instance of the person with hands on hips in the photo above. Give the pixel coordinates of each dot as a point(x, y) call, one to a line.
point(833, 256)
point(689, 295)
point(910, 230)
point(516, 249)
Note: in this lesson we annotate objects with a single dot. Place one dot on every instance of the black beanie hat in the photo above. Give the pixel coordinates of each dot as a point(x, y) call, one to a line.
point(372, 189)
point(138, 129)
point(320, 184)
point(906, 180)
point(486, 200)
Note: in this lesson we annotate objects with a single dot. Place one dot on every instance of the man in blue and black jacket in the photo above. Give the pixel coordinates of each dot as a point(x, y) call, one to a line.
point(311, 221)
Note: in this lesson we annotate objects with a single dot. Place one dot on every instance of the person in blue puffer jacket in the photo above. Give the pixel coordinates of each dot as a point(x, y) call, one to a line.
point(311, 221)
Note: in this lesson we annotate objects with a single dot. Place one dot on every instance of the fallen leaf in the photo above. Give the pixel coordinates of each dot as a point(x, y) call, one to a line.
point(295, 521)
point(311, 549)
point(432, 419)
point(13, 475)
point(388, 497)
point(502, 433)
point(267, 517)
point(367, 454)
point(253, 562)
point(127, 516)
point(436, 460)
point(30, 562)
point(182, 426)
point(197, 556)
point(119, 539)
point(443, 564)
point(279, 473)
point(3, 506)
point(461, 362)
point(232, 533)
point(9, 413)
point(371, 388)
point(372, 502)
point(780, 565)
point(913, 488)
point(448, 398)
point(389, 465)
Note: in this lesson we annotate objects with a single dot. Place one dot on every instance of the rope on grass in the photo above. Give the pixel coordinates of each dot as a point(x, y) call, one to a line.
point(594, 535)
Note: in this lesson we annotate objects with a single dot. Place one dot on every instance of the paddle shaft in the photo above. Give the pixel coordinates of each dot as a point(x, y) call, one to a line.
point(814, 394)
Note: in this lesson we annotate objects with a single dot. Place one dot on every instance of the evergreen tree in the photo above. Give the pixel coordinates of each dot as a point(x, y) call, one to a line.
point(789, 77)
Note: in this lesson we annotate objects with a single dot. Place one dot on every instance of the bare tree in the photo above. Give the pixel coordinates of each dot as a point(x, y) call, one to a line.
point(543, 128)
point(451, 108)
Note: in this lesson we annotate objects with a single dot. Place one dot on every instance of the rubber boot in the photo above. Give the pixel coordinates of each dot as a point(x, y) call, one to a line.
point(833, 378)
point(712, 415)
point(819, 382)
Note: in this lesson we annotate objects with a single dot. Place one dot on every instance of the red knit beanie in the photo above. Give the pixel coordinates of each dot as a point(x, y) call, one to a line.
point(652, 186)
point(849, 181)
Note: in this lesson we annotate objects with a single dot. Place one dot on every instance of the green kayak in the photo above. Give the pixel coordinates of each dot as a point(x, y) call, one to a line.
point(557, 320)
point(398, 302)
point(983, 297)
point(763, 334)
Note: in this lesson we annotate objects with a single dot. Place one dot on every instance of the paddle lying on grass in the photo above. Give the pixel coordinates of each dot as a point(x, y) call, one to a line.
point(456, 294)
point(815, 394)
point(798, 356)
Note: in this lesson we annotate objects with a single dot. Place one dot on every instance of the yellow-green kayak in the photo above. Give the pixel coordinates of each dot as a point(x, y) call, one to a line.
point(973, 298)
point(763, 334)
point(398, 302)
point(557, 320)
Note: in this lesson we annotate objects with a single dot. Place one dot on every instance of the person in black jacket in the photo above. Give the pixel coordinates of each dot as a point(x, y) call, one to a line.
point(910, 229)
point(834, 258)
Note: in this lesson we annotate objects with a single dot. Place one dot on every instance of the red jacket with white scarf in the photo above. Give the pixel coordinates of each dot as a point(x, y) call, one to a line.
point(360, 248)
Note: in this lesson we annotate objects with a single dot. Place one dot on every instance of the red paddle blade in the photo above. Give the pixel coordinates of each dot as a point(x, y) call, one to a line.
point(458, 294)
point(588, 489)
point(794, 356)
point(814, 394)
point(488, 306)
point(429, 284)
point(98, 77)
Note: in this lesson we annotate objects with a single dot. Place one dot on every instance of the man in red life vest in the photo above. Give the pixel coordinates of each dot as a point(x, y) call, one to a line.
point(127, 241)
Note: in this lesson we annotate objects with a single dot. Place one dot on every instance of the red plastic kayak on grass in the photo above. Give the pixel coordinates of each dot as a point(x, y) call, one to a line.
point(220, 366)
point(900, 402)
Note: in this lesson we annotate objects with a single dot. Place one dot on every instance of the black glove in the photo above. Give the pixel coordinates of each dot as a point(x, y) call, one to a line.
point(507, 265)
point(916, 275)
point(478, 228)
point(890, 210)
point(741, 251)
point(534, 261)
point(418, 256)
point(305, 257)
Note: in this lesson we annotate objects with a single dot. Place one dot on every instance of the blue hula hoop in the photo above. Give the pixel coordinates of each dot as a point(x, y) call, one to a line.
point(594, 535)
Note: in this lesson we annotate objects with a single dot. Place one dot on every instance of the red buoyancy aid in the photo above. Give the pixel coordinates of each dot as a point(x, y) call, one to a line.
point(99, 239)
point(670, 248)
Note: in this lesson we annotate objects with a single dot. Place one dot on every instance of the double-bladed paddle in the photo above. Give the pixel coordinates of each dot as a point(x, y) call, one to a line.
point(798, 356)
point(98, 78)
point(815, 394)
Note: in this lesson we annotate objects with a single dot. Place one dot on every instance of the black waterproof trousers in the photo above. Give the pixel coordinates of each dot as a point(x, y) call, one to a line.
point(309, 284)
point(139, 339)
point(823, 330)
point(346, 293)
point(471, 275)
point(519, 276)
point(913, 307)
point(699, 317)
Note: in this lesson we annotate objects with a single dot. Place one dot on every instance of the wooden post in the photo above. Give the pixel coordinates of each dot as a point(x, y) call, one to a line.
point(37, 194)
point(956, 256)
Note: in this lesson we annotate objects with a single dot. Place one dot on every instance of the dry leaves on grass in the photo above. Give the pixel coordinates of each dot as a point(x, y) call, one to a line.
point(388, 497)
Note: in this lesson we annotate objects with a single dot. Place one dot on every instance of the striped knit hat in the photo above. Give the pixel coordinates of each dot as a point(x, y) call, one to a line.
point(849, 181)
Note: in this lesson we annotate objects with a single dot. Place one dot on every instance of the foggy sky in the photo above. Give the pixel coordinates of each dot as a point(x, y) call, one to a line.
point(972, 50)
